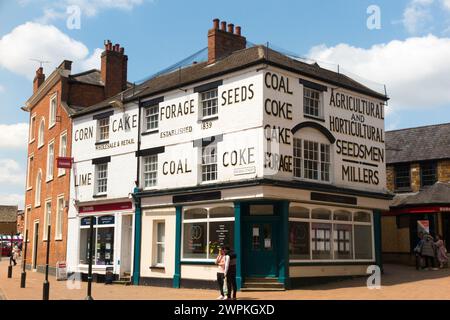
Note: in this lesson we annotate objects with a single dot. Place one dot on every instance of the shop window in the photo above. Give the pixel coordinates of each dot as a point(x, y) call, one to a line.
point(402, 178)
point(101, 178)
point(342, 241)
point(342, 215)
point(321, 213)
point(312, 102)
point(103, 240)
point(151, 115)
point(209, 163)
point(299, 212)
point(321, 241)
point(362, 216)
point(299, 240)
point(208, 103)
point(312, 160)
point(428, 173)
point(204, 230)
point(150, 166)
point(103, 129)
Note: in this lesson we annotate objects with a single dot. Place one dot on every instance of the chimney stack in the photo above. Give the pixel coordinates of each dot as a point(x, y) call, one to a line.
point(223, 42)
point(39, 79)
point(114, 69)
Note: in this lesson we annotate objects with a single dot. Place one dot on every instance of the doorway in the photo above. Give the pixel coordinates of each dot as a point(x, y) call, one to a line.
point(35, 244)
point(126, 248)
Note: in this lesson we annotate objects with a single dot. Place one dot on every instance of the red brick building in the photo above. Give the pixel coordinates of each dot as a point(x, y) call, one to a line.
point(51, 105)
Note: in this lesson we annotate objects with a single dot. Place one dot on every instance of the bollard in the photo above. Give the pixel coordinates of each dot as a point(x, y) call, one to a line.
point(10, 271)
point(46, 287)
point(23, 276)
point(91, 252)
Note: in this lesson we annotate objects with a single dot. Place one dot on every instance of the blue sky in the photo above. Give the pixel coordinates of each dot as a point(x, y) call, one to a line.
point(410, 53)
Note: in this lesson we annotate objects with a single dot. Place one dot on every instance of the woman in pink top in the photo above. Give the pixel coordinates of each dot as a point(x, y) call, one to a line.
point(220, 261)
point(441, 251)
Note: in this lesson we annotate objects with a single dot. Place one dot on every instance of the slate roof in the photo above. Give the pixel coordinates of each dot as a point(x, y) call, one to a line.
point(439, 193)
point(418, 144)
point(237, 60)
point(92, 76)
point(8, 214)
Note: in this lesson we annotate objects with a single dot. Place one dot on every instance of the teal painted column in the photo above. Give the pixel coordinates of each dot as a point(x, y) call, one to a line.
point(283, 246)
point(238, 243)
point(177, 273)
point(137, 238)
point(377, 237)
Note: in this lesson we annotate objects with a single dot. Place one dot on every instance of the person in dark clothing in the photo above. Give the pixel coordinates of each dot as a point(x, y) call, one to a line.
point(428, 251)
point(230, 272)
point(417, 251)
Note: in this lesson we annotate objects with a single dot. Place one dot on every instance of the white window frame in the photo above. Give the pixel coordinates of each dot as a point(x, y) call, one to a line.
point(41, 133)
point(157, 225)
point(207, 165)
point(99, 129)
point(151, 118)
point(319, 102)
point(208, 219)
point(205, 105)
point(38, 191)
point(332, 222)
point(47, 220)
point(30, 171)
point(320, 161)
point(154, 171)
point(97, 166)
point(59, 216)
point(62, 171)
point(32, 128)
point(50, 162)
point(53, 110)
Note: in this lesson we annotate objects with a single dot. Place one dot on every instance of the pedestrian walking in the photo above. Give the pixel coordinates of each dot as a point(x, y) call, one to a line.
point(428, 251)
point(441, 251)
point(220, 261)
point(14, 255)
point(230, 272)
point(417, 251)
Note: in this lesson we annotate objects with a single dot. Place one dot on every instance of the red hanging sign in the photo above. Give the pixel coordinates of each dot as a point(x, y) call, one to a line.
point(64, 162)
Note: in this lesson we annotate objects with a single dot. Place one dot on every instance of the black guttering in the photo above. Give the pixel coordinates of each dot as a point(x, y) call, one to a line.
point(302, 185)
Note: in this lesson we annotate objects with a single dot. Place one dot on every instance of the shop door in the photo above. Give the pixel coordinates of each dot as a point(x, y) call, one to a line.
point(35, 244)
point(126, 249)
point(260, 258)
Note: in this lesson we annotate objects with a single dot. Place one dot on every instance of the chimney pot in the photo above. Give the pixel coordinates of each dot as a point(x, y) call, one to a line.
point(238, 30)
point(116, 47)
point(216, 23)
point(122, 50)
point(231, 28)
point(223, 25)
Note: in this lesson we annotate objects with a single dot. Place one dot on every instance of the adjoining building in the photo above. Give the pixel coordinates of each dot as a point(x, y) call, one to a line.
point(418, 171)
point(53, 101)
point(282, 160)
point(8, 220)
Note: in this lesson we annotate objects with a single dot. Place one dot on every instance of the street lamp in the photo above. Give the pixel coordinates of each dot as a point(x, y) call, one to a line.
point(91, 253)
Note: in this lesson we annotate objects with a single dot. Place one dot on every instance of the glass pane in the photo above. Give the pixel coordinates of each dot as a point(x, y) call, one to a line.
point(222, 212)
point(194, 240)
point(343, 241)
point(363, 242)
point(342, 215)
point(321, 241)
point(220, 234)
point(197, 213)
point(267, 229)
point(362, 216)
point(105, 246)
point(321, 213)
point(261, 209)
point(160, 254)
point(298, 212)
point(84, 246)
point(299, 240)
point(256, 237)
point(161, 232)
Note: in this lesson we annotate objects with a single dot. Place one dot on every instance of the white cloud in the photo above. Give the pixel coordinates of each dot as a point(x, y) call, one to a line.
point(13, 136)
point(417, 15)
point(92, 62)
point(92, 7)
point(446, 4)
point(2, 88)
point(415, 71)
point(20, 45)
point(11, 172)
point(12, 199)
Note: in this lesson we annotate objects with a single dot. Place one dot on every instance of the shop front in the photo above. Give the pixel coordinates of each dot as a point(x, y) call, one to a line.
point(112, 238)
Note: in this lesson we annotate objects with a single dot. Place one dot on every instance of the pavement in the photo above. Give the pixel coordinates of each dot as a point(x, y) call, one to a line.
point(398, 282)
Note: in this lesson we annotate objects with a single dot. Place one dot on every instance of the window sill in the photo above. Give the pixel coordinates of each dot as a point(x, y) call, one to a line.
point(37, 205)
point(196, 262)
point(40, 146)
point(157, 267)
point(62, 174)
point(31, 141)
point(101, 142)
point(307, 116)
point(59, 239)
point(100, 195)
point(149, 132)
point(209, 182)
point(29, 188)
point(52, 125)
point(49, 180)
point(209, 118)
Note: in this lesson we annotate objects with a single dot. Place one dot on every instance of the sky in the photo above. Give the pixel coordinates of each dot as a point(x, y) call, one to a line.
point(403, 45)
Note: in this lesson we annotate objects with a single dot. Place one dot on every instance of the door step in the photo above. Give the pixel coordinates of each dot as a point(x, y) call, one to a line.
point(262, 284)
point(124, 280)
